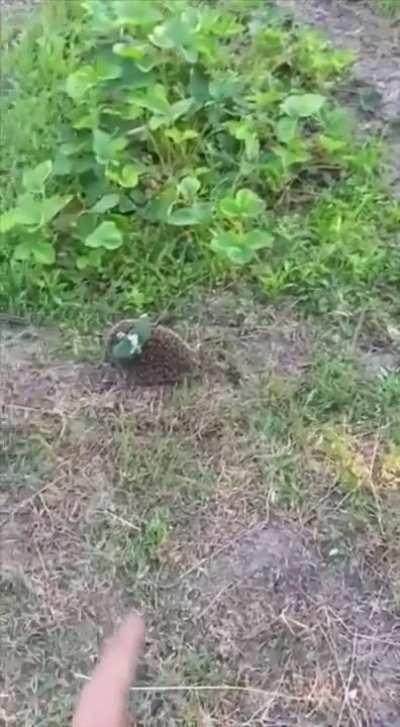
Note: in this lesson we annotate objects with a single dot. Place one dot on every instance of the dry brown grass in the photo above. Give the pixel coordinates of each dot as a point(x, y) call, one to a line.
point(209, 509)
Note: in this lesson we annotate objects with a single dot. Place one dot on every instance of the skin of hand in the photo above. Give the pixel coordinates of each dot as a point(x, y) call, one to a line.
point(103, 701)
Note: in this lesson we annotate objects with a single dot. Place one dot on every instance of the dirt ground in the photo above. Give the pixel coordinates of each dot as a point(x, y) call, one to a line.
point(265, 560)
point(262, 583)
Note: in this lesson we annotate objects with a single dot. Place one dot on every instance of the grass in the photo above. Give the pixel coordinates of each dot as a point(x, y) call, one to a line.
point(201, 506)
point(390, 8)
point(252, 514)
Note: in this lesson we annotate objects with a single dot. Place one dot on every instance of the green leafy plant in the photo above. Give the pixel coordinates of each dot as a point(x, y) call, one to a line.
point(33, 212)
point(172, 152)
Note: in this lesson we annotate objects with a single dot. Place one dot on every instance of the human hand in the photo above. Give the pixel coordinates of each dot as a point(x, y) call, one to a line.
point(103, 701)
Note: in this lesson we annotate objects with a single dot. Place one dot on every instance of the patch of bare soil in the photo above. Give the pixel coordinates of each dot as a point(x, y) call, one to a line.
point(241, 594)
point(355, 25)
point(310, 630)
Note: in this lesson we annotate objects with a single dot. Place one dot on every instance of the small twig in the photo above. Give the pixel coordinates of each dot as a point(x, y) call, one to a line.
point(367, 637)
point(122, 520)
point(13, 320)
point(216, 599)
point(257, 691)
point(30, 498)
point(372, 483)
point(347, 685)
point(332, 646)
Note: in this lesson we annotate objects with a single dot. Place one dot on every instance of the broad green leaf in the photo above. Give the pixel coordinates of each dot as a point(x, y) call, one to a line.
point(179, 136)
point(303, 105)
point(107, 236)
point(188, 187)
point(159, 208)
point(286, 129)
point(155, 100)
point(240, 129)
point(134, 50)
point(157, 121)
point(257, 239)
point(23, 251)
point(244, 131)
point(85, 225)
point(87, 121)
point(8, 220)
point(180, 108)
point(249, 204)
point(72, 147)
point(228, 207)
point(136, 12)
point(149, 61)
point(62, 165)
point(34, 179)
point(135, 78)
point(245, 204)
point(29, 210)
point(223, 240)
point(51, 206)
point(240, 255)
point(179, 33)
point(92, 260)
point(37, 212)
point(240, 248)
point(126, 204)
point(199, 85)
point(199, 213)
point(339, 123)
point(44, 253)
point(127, 176)
point(106, 69)
point(252, 147)
point(106, 147)
point(331, 146)
point(297, 153)
point(225, 88)
point(79, 83)
point(229, 245)
point(105, 203)
point(82, 262)
point(100, 18)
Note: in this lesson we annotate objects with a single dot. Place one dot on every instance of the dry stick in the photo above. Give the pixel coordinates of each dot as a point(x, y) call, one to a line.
point(122, 520)
point(265, 710)
point(30, 498)
point(332, 647)
point(215, 688)
point(367, 637)
point(372, 483)
point(217, 597)
point(345, 702)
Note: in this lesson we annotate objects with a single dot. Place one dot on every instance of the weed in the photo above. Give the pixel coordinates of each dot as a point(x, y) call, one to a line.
point(389, 7)
point(177, 161)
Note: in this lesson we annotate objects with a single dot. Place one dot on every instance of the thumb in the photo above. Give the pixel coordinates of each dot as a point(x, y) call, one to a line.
point(103, 701)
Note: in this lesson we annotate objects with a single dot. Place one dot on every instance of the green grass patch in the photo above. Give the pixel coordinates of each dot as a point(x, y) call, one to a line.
point(148, 152)
point(391, 8)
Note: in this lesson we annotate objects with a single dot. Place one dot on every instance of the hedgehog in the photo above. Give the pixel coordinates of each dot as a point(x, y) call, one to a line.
point(148, 354)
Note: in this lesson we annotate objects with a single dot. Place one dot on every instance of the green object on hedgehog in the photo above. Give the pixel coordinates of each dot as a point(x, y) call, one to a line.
point(149, 354)
point(131, 344)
